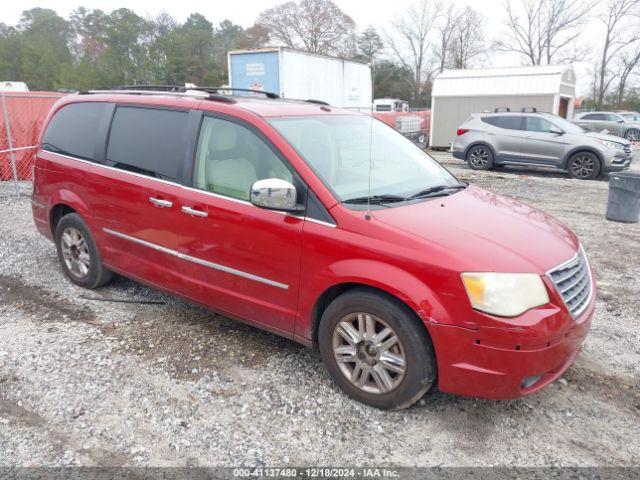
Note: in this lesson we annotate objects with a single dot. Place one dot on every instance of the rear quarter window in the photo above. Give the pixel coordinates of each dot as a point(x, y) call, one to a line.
point(491, 120)
point(75, 130)
point(150, 141)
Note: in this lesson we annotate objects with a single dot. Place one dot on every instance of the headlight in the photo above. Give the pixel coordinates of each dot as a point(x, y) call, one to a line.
point(505, 294)
point(612, 145)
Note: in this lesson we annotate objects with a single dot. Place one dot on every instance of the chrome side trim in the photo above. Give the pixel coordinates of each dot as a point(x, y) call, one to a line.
point(192, 189)
point(197, 260)
point(319, 222)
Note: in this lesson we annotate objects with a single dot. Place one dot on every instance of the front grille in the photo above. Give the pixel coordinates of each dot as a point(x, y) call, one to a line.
point(573, 281)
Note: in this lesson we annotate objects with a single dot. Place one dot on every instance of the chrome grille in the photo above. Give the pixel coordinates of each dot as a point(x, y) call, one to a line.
point(573, 281)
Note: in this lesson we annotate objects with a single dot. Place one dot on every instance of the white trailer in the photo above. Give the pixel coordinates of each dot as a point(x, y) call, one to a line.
point(13, 87)
point(301, 75)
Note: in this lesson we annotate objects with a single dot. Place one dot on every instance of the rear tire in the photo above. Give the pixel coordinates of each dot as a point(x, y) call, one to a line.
point(583, 166)
point(78, 253)
point(480, 157)
point(376, 350)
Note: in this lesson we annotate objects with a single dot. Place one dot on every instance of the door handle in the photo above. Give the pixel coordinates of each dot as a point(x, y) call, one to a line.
point(159, 202)
point(194, 212)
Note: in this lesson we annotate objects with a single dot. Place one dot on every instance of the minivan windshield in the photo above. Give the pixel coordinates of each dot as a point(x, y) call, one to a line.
point(339, 148)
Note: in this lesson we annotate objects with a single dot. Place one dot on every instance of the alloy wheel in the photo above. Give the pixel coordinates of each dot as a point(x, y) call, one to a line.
point(583, 166)
point(479, 157)
point(633, 135)
point(75, 252)
point(369, 353)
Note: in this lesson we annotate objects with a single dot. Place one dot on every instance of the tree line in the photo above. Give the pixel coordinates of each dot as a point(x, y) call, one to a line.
point(97, 49)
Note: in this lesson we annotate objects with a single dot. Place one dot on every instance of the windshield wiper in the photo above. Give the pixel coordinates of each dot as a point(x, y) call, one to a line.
point(375, 199)
point(437, 189)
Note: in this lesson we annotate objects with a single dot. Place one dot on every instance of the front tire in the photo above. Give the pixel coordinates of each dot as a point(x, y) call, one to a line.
point(78, 253)
point(583, 166)
point(480, 157)
point(376, 350)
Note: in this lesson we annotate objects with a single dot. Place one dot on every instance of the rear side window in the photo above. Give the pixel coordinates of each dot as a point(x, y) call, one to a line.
point(511, 122)
point(150, 141)
point(75, 130)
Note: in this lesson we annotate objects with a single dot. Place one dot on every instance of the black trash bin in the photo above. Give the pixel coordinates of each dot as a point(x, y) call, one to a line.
point(624, 197)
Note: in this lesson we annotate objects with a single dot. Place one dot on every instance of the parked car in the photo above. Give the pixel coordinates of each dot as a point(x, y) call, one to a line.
point(539, 139)
point(626, 125)
point(321, 225)
point(630, 116)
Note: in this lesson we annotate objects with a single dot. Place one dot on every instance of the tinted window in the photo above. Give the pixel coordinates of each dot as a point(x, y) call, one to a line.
point(74, 130)
point(149, 141)
point(537, 124)
point(231, 158)
point(491, 120)
point(593, 116)
point(510, 122)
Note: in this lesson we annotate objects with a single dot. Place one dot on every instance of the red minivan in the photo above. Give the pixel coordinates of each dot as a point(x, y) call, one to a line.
point(319, 224)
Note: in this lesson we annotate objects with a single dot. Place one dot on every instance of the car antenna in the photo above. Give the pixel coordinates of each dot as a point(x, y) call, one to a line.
point(367, 215)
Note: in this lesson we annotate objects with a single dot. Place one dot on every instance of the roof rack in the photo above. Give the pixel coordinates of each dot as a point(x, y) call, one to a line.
point(319, 102)
point(502, 109)
point(528, 109)
point(206, 93)
point(184, 88)
point(188, 92)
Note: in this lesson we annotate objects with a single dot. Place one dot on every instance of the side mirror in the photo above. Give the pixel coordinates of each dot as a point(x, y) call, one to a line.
point(620, 121)
point(276, 194)
point(556, 131)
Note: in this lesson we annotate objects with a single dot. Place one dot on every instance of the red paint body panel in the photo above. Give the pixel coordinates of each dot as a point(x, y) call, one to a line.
point(415, 253)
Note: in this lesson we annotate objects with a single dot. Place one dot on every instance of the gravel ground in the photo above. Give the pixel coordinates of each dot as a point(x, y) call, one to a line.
point(92, 383)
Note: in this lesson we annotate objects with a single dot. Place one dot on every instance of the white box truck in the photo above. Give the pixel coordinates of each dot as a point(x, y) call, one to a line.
point(301, 75)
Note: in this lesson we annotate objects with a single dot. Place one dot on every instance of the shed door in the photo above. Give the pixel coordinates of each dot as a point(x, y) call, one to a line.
point(563, 110)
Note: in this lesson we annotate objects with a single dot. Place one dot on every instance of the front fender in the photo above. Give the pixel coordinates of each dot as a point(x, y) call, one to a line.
point(408, 288)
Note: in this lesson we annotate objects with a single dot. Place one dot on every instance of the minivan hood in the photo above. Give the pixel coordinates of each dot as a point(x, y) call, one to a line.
point(486, 232)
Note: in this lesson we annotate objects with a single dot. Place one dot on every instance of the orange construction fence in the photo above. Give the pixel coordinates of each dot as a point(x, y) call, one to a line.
point(21, 119)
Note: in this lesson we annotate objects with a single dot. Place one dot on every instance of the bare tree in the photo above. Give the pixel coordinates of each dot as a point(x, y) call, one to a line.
point(618, 35)
point(543, 30)
point(629, 61)
point(316, 26)
point(446, 27)
point(410, 41)
point(468, 39)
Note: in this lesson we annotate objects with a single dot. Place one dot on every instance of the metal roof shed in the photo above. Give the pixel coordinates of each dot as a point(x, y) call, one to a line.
point(459, 93)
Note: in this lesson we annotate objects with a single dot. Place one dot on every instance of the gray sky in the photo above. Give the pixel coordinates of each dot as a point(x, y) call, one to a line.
point(364, 12)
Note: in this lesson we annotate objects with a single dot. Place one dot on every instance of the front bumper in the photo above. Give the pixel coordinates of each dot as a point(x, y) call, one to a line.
point(618, 162)
point(507, 363)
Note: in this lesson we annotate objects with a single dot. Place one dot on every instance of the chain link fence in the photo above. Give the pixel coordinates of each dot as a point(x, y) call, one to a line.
point(21, 119)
